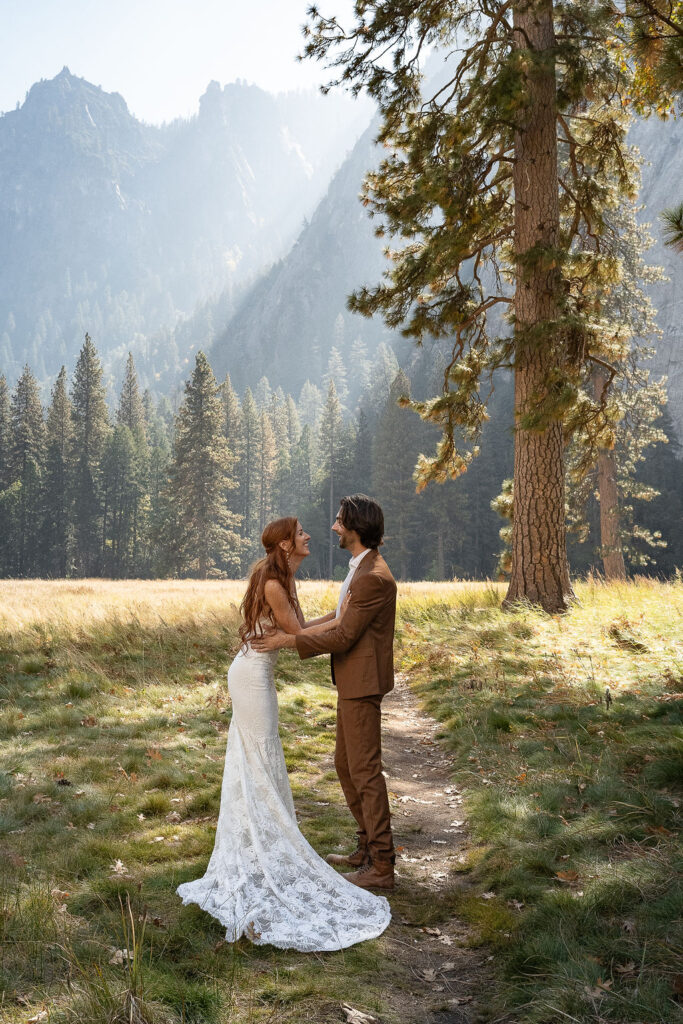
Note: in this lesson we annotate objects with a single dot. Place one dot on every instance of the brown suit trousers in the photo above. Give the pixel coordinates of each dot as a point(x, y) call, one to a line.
point(361, 644)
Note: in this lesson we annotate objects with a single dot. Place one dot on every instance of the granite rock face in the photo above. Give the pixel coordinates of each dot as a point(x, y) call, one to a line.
point(661, 147)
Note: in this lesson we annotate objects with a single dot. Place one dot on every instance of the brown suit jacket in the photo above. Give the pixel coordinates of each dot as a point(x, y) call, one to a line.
point(362, 641)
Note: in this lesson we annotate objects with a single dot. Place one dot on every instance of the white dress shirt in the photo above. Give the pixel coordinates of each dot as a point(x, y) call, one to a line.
point(353, 565)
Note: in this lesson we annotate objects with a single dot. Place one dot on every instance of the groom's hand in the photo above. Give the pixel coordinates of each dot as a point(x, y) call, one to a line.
point(274, 640)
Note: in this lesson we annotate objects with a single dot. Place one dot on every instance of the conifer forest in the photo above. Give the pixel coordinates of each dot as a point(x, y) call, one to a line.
point(119, 485)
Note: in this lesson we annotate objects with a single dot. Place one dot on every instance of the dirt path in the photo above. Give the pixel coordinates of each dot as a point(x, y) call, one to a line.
point(438, 976)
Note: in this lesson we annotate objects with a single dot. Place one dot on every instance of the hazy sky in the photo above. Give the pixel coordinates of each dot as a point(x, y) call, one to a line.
point(159, 54)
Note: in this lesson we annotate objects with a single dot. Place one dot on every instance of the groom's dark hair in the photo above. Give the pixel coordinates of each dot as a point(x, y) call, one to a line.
point(362, 514)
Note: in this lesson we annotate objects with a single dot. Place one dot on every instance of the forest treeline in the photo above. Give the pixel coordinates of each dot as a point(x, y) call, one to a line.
point(138, 491)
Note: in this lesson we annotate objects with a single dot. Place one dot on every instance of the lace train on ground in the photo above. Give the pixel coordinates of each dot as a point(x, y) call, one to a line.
point(264, 879)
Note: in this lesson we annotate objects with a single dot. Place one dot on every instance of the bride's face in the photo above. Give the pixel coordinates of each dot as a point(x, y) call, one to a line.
point(301, 540)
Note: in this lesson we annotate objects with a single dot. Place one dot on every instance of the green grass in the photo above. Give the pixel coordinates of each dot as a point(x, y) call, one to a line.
point(113, 726)
point(113, 720)
point(574, 806)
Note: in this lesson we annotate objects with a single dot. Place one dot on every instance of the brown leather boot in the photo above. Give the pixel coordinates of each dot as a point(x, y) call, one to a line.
point(377, 874)
point(354, 860)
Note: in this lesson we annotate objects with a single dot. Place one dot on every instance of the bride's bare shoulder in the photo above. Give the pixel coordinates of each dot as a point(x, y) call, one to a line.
point(273, 588)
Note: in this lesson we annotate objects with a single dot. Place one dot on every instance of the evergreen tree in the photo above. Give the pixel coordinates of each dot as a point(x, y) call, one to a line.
point(478, 184)
point(336, 371)
point(131, 410)
point(331, 458)
point(91, 429)
point(361, 366)
point(5, 435)
point(266, 469)
point(662, 473)
point(396, 450)
point(310, 405)
point(263, 393)
point(383, 370)
point(132, 516)
point(281, 488)
point(673, 227)
point(233, 427)
point(27, 463)
point(605, 450)
point(158, 556)
point(6, 499)
point(122, 500)
point(248, 480)
point(653, 29)
point(293, 423)
point(302, 471)
point(362, 463)
point(57, 508)
point(201, 474)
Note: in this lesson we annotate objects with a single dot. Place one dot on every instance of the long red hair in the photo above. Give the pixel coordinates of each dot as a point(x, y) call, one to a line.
point(274, 566)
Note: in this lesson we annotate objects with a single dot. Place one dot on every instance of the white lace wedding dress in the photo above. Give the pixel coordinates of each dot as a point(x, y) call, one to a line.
point(263, 879)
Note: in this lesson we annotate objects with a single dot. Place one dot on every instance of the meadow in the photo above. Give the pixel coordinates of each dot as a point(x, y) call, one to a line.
point(563, 735)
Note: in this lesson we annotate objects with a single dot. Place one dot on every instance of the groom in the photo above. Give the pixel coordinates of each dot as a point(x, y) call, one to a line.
point(360, 640)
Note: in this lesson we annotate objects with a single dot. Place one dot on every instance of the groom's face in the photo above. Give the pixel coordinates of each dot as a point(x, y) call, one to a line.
point(341, 531)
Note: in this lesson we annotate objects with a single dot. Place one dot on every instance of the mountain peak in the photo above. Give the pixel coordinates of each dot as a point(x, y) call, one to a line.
point(66, 89)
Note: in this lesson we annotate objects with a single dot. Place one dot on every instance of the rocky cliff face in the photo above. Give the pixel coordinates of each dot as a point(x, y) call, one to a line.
point(661, 147)
point(289, 320)
point(115, 227)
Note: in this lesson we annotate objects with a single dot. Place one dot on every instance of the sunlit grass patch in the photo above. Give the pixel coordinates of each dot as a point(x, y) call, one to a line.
point(566, 734)
point(113, 719)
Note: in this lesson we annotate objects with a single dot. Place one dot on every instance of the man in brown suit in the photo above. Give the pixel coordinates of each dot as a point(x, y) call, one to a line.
point(360, 640)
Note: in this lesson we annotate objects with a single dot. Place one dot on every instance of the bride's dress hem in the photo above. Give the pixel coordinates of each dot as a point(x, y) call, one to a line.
point(258, 940)
point(263, 879)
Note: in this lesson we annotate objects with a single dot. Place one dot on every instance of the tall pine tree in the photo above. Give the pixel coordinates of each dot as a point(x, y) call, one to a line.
point(91, 429)
point(6, 496)
point(57, 508)
point(494, 179)
point(331, 457)
point(26, 468)
point(201, 473)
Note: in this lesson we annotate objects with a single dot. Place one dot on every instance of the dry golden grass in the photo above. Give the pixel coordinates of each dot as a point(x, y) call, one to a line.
point(113, 712)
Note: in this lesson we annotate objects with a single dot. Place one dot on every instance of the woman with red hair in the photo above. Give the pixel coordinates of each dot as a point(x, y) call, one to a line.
point(263, 879)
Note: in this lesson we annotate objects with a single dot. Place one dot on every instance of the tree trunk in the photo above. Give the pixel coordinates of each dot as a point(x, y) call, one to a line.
point(540, 569)
point(610, 534)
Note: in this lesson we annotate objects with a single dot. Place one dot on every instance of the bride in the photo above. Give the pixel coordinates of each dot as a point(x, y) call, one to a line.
point(263, 879)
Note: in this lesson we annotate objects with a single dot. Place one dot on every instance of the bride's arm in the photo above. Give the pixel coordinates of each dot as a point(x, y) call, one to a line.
point(285, 616)
point(322, 618)
point(311, 622)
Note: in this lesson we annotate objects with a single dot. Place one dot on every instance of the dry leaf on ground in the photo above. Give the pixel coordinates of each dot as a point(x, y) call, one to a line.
point(599, 990)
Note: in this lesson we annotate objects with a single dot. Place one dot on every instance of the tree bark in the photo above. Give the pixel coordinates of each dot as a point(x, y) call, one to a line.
point(611, 550)
point(540, 569)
